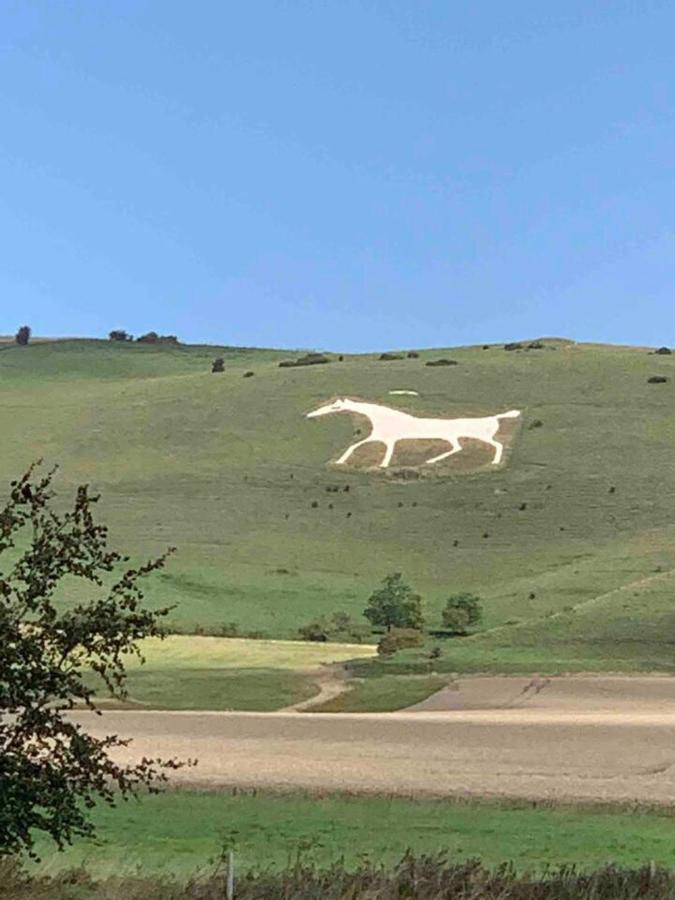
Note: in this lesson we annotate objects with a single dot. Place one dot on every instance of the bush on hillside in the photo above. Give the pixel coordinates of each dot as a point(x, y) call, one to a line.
point(536, 345)
point(412, 354)
point(461, 612)
point(153, 338)
point(441, 362)
point(386, 357)
point(663, 351)
point(22, 336)
point(398, 639)
point(657, 379)
point(394, 605)
point(309, 359)
point(515, 345)
point(317, 631)
point(535, 423)
point(218, 364)
point(248, 374)
point(119, 335)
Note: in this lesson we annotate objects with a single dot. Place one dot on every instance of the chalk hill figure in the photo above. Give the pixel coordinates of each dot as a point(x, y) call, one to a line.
point(391, 425)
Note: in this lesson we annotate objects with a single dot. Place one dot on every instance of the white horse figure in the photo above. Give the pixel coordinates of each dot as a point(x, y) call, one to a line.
point(391, 425)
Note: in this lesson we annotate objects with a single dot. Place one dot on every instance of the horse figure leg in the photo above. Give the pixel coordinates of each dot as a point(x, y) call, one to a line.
point(499, 449)
point(348, 452)
point(388, 453)
point(455, 449)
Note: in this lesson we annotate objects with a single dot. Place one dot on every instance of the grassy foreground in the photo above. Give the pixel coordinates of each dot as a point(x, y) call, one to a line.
point(178, 832)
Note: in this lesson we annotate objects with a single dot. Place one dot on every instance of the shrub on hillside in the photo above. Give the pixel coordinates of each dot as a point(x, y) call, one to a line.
point(461, 612)
point(441, 362)
point(536, 345)
point(248, 374)
point(218, 364)
point(386, 357)
point(394, 605)
point(317, 631)
point(398, 639)
point(514, 345)
point(153, 338)
point(119, 335)
point(663, 351)
point(412, 354)
point(535, 423)
point(22, 336)
point(657, 379)
point(309, 359)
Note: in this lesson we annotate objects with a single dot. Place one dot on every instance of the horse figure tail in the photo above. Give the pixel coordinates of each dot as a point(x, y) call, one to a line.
point(511, 414)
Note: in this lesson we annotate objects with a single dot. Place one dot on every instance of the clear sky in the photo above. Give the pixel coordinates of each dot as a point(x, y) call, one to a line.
point(339, 174)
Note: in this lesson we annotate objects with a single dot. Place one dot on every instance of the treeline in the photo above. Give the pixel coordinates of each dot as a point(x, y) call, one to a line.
point(423, 877)
point(150, 338)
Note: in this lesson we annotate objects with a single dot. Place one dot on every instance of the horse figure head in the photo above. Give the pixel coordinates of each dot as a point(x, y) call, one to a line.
point(339, 405)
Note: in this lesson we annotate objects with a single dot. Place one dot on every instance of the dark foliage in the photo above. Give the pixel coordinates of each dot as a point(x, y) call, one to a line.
point(51, 771)
point(412, 354)
point(657, 379)
point(153, 338)
point(461, 612)
point(441, 362)
point(663, 351)
point(535, 423)
point(316, 630)
point(536, 345)
point(249, 374)
point(22, 336)
point(394, 605)
point(515, 345)
point(218, 364)
point(398, 639)
point(309, 359)
point(386, 357)
point(119, 335)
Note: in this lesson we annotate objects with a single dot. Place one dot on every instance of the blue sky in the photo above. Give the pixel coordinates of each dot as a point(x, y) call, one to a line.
point(345, 175)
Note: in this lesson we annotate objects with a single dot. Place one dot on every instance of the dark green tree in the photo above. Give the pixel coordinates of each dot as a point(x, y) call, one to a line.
point(51, 770)
point(394, 605)
point(461, 612)
point(23, 336)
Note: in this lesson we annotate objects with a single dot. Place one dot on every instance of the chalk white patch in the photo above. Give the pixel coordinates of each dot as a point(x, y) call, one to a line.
point(407, 393)
point(391, 425)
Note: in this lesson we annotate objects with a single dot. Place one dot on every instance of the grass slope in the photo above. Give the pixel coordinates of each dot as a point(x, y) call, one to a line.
point(561, 543)
point(180, 832)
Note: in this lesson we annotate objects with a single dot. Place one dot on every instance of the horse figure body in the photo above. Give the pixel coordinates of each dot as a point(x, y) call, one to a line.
point(391, 425)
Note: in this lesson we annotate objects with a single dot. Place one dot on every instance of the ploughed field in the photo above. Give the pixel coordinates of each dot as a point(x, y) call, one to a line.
point(591, 739)
point(569, 544)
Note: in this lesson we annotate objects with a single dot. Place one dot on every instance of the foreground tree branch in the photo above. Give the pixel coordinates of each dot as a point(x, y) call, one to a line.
point(51, 771)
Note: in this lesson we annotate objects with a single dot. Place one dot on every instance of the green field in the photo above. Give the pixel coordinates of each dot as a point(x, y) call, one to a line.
point(181, 831)
point(196, 672)
point(570, 545)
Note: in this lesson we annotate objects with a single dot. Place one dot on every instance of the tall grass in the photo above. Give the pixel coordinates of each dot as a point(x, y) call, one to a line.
point(423, 877)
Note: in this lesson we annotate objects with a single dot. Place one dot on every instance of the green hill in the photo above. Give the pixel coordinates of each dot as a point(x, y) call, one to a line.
point(570, 544)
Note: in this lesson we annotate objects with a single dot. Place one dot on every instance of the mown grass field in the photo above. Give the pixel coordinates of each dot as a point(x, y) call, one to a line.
point(181, 831)
point(562, 543)
point(197, 672)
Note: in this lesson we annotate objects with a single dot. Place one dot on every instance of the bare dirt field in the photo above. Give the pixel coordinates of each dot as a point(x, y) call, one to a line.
point(577, 738)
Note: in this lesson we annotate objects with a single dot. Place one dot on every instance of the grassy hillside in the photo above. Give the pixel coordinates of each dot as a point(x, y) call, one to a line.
point(562, 542)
